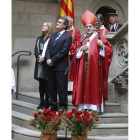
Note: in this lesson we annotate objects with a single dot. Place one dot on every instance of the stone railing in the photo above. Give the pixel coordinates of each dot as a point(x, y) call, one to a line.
point(119, 64)
point(121, 80)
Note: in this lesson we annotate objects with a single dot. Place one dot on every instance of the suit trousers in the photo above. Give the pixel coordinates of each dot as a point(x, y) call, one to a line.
point(43, 90)
point(58, 83)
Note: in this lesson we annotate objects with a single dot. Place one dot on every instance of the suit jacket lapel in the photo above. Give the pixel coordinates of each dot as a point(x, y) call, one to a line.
point(59, 39)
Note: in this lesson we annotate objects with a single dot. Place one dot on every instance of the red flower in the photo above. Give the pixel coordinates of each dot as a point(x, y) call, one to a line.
point(80, 112)
point(84, 117)
point(44, 118)
point(49, 110)
point(93, 114)
point(47, 119)
point(91, 120)
point(39, 112)
point(87, 114)
point(70, 116)
point(52, 113)
point(59, 113)
point(79, 119)
point(51, 116)
point(69, 113)
point(78, 116)
point(73, 110)
point(86, 122)
point(45, 112)
point(59, 122)
point(35, 115)
point(97, 119)
point(77, 113)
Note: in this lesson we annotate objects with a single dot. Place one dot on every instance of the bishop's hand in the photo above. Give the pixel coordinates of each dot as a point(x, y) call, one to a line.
point(84, 48)
point(100, 43)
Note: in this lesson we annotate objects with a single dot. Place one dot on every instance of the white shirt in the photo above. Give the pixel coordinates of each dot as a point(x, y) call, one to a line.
point(114, 26)
point(13, 84)
point(61, 33)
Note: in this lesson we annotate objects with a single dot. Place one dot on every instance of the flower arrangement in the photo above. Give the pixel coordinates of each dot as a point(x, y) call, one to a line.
point(79, 122)
point(47, 121)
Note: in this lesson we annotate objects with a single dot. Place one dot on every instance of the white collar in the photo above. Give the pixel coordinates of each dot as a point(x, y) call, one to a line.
point(71, 28)
point(62, 32)
point(101, 27)
point(114, 26)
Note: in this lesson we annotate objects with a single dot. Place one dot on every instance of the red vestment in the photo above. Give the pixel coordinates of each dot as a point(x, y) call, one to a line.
point(89, 94)
point(101, 31)
point(73, 49)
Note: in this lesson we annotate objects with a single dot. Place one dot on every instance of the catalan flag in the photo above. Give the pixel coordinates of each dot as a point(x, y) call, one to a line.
point(67, 9)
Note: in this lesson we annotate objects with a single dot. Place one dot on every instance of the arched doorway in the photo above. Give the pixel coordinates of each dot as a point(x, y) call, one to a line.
point(104, 10)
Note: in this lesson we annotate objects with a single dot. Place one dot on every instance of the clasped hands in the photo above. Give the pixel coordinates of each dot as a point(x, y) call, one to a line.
point(49, 62)
point(40, 59)
point(86, 48)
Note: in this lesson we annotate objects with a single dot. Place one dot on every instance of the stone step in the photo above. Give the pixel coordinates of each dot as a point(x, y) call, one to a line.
point(20, 133)
point(101, 129)
point(33, 97)
point(30, 109)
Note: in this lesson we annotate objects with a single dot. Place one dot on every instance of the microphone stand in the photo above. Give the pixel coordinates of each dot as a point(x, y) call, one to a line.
point(75, 54)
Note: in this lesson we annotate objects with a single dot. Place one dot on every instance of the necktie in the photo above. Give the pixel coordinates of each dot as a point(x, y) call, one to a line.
point(113, 30)
point(57, 36)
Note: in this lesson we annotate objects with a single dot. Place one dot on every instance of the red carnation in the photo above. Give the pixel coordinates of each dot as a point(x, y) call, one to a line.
point(59, 113)
point(49, 110)
point(80, 112)
point(86, 122)
point(79, 119)
point(70, 116)
point(78, 116)
point(45, 112)
point(93, 114)
point(70, 113)
point(87, 114)
point(52, 113)
point(35, 115)
point(77, 113)
point(47, 119)
point(91, 120)
point(97, 119)
point(39, 112)
point(73, 110)
point(43, 117)
point(59, 122)
point(84, 117)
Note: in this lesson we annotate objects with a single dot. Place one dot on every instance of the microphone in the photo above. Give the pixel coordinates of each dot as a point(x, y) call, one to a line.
point(84, 38)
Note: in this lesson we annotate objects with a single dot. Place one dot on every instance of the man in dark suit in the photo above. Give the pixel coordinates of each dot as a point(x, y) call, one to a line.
point(57, 59)
point(113, 26)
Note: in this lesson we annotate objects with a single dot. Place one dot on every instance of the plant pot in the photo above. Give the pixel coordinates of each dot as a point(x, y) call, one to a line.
point(48, 137)
point(84, 137)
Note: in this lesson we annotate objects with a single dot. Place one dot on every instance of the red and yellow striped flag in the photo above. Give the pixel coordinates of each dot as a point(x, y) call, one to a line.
point(67, 9)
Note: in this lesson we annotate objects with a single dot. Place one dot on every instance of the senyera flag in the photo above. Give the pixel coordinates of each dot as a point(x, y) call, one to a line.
point(67, 9)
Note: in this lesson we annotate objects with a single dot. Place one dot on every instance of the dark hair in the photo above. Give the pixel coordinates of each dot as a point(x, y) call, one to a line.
point(66, 22)
point(101, 17)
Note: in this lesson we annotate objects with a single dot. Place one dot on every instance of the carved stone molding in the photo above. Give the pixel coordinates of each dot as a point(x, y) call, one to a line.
point(122, 53)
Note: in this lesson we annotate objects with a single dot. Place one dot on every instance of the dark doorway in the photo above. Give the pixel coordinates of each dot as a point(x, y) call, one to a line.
point(104, 10)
